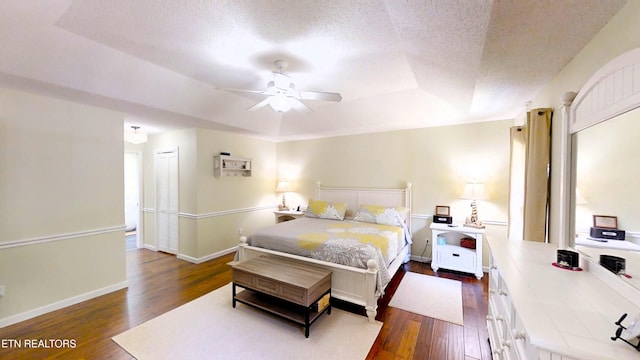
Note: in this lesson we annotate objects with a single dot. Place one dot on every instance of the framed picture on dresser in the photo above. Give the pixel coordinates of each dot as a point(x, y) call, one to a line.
point(605, 221)
point(442, 210)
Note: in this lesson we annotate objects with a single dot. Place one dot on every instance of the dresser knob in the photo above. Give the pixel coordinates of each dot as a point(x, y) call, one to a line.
point(489, 317)
point(500, 318)
point(519, 335)
point(502, 292)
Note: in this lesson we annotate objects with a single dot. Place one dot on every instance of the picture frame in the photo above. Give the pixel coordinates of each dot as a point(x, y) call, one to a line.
point(442, 210)
point(605, 221)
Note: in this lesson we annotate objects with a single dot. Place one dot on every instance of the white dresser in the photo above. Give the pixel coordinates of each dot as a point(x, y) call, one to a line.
point(538, 311)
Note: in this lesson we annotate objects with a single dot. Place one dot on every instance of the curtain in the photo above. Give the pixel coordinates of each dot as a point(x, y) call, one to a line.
point(537, 136)
point(516, 183)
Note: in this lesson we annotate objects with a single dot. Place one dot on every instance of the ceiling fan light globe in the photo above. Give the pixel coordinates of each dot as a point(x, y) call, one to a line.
point(280, 103)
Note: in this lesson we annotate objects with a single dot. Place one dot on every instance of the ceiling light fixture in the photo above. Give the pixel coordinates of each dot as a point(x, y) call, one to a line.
point(135, 136)
point(280, 103)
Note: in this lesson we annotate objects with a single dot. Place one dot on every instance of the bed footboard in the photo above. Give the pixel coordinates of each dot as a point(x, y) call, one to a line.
point(353, 285)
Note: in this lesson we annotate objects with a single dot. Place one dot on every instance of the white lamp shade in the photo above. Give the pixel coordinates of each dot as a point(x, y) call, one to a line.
point(580, 200)
point(283, 186)
point(474, 191)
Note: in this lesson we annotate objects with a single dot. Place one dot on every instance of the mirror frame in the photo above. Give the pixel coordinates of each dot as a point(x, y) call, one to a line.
point(612, 90)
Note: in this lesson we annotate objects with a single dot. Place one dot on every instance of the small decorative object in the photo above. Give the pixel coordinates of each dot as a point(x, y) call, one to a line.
point(605, 221)
point(631, 333)
point(442, 219)
point(442, 210)
point(567, 259)
point(612, 263)
point(474, 191)
point(605, 234)
point(442, 240)
point(468, 242)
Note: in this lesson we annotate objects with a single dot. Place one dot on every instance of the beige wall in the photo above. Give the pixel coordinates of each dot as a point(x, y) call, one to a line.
point(226, 204)
point(61, 203)
point(438, 161)
point(212, 209)
point(621, 34)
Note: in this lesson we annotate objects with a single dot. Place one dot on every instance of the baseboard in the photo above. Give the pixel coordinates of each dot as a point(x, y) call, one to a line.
point(422, 259)
point(208, 257)
point(61, 304)
point(149, 247)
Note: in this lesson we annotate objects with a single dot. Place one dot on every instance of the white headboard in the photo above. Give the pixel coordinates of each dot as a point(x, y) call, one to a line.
point(354, 197)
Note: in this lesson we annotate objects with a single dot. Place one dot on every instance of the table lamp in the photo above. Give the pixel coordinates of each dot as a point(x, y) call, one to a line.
point(474, 191)
point(283, 187)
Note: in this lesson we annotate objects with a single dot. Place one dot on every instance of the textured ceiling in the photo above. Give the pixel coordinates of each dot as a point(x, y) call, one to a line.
point(397, 64)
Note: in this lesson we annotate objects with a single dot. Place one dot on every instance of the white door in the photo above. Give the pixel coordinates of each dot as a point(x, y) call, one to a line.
point(167, 200)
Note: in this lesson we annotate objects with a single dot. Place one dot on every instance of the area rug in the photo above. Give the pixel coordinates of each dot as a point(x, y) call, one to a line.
point(430, 296)
point(210, 328)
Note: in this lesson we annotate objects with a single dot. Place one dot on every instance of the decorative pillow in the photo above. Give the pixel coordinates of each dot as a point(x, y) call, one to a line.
point(383, 215)
point(326, 210)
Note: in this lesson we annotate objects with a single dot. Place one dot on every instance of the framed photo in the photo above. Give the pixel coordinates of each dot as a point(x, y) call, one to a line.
point(442, 210)
point(605, 221)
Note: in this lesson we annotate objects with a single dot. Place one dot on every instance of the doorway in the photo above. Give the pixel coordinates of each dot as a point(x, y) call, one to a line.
point(132, 193)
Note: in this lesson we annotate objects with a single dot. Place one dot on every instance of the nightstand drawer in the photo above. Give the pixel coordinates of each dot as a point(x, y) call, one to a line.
point(456, 258)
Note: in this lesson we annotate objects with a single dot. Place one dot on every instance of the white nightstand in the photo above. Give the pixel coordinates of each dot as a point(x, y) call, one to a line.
point(286, 215)
point(451, 255)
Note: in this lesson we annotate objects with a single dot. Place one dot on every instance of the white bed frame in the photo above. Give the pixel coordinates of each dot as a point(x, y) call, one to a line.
point(354, 285)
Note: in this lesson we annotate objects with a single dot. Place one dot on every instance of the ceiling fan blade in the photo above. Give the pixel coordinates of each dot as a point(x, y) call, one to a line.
point(299, 106)
point(242, 90)
point(318, 95)
point(259, 105)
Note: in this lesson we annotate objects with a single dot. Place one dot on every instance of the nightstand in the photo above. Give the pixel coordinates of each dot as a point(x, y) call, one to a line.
point(286, 215)
point(448, 254)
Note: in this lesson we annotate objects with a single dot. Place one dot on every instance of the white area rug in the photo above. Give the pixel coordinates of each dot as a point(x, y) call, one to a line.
point(430, 296)
point(209, 328)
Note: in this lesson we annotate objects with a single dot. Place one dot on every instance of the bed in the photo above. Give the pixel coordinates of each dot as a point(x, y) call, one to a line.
point(363, 281)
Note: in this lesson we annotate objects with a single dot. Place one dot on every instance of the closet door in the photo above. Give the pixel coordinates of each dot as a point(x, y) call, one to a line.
point(167, 200)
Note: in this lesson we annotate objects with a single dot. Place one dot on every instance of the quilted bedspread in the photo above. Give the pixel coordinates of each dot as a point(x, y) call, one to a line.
point(348, 243)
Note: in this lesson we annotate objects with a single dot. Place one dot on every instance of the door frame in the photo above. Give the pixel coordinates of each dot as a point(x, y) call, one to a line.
point(139, 226)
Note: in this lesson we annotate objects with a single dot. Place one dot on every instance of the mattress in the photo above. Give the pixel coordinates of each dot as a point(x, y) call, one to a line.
point(350, 243)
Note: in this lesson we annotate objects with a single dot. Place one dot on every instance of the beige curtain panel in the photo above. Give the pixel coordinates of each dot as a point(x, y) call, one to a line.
point(537, 135)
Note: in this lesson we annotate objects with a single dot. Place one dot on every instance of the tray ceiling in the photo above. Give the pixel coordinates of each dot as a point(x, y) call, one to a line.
point(398, 65)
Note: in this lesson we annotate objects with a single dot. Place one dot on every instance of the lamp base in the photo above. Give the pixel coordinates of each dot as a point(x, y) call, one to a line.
point(473, 220)
point(477, 225)
point(283, 206)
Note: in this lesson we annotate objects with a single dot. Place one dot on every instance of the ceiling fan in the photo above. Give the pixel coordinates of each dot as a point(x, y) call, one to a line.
point(282, 95)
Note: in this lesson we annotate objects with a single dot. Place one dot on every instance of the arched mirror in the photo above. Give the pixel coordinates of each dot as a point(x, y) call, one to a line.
point(604, 130)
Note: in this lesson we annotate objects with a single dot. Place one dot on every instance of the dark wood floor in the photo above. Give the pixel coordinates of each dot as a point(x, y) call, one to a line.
point(159, 282)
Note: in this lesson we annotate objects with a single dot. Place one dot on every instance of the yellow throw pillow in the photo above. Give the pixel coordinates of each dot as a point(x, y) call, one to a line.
point(326, 210)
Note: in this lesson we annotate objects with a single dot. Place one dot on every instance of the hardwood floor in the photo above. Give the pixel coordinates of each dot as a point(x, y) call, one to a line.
point(159, 282)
